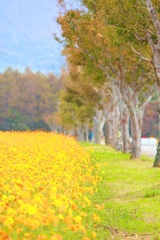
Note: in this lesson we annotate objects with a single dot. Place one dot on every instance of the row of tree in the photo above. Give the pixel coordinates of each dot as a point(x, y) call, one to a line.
point(28, 100)
point(113, 54)
point(26, 107)
point(31, 101)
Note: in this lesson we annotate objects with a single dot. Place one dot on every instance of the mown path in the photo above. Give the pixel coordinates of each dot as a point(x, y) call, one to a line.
point(130, 193)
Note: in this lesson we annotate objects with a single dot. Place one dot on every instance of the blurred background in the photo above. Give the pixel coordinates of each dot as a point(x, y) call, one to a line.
point(33, 73)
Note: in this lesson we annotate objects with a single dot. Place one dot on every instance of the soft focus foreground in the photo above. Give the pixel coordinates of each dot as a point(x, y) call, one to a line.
point(46, 183)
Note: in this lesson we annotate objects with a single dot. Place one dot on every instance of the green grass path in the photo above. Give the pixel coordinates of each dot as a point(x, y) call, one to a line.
point(130, 193)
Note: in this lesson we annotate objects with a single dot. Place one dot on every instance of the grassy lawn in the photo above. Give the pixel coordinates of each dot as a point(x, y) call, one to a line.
point(130, 195)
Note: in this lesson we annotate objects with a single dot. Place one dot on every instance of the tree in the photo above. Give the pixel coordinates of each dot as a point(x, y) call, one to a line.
point(98, 46)
point(77, 104)
point(26, 98)
point(155, 46)
point(138, 23)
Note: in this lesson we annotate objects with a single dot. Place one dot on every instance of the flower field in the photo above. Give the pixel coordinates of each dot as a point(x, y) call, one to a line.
point(47, 183)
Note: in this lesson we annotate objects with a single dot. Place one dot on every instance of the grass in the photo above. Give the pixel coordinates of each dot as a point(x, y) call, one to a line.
point(130, 194)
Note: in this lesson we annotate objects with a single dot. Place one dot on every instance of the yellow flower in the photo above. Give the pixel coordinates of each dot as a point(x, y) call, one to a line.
point(86, 238)
point(56, 237)
point(8, 221)
point(4, 235)
point(93, 234)
point(4, 197)
point(11, 212)
point(46, 180)
point(60, 216)
point(78, 219)
point(87, 200)
point(31, 209)
point(95, 217)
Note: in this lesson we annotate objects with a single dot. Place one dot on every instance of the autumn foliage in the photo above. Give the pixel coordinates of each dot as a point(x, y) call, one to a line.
point(46, 183)
point(28, 100)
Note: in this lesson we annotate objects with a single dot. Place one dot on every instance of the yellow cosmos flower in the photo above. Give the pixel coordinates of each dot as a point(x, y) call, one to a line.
point(94, 234)
point(95, 217)
point(31, 210)
point(8, 221)
point(47, 180)
point(78, 219)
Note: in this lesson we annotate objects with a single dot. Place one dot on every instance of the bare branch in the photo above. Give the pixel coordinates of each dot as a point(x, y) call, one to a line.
point(140, 54)
point(148, 98)
point(140, 38)
point(147, 31)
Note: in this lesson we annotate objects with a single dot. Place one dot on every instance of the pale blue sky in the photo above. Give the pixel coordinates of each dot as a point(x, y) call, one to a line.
point(26, 28)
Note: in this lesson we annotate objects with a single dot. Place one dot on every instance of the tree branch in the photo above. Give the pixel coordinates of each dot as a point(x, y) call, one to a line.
point(140, 38)
point(140, 54)
point(154, 17)
point(148, 98)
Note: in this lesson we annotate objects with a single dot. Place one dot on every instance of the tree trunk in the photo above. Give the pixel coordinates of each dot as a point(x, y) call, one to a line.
point(126, 146)
point(87, 133)
point(136, 144)
point(136, 117)
point(135, 134)
point(157, 157)
point(109, 135)
point(136, 111)
point(123, 143)
point(116, 123)
point(99, 122)
point(80, 134)
point(112, 125)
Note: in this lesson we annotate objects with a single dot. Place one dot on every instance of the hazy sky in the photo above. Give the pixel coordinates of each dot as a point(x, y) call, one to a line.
point(26, 40)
